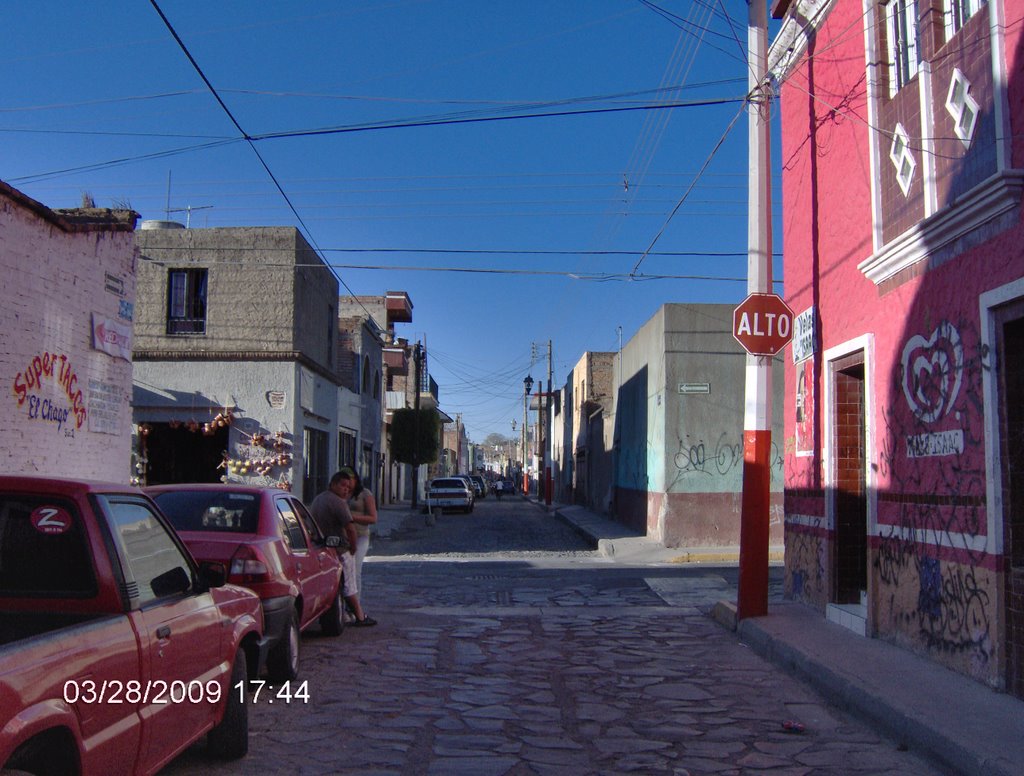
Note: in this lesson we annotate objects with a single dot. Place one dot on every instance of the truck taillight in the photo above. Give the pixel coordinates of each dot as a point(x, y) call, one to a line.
point(247, 566)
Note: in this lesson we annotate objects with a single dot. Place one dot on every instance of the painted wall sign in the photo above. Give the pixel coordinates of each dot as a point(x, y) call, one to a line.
point(940, 443)
point(805, 408)
point(804, 336)
point(933, 370)
point(104, 408)
point(111, 337)
point(687, 388)
point(57, 368)
point(113, 284)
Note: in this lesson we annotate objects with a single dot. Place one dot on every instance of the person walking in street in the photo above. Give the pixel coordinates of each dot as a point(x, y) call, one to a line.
point(331, 513)
point(363, 507)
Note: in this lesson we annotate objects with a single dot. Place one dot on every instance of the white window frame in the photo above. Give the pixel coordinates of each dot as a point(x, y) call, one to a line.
point(962, 107)
point(901, 32)
point(958, 12)
point(902, 159)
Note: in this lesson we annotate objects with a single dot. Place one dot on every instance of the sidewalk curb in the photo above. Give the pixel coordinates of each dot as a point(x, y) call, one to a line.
point(908, 723)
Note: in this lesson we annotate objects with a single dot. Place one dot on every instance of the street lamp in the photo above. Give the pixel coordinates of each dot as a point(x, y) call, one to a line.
point(527, 387)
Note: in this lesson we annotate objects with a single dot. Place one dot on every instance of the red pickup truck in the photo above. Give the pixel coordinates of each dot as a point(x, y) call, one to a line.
point(116, 650)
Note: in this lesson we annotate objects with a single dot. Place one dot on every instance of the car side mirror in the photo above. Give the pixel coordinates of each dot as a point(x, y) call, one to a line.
point(213, 574)
point(332, 541)
point(172, 582)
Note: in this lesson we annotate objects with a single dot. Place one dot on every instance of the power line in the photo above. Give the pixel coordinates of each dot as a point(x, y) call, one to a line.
point(252, 145)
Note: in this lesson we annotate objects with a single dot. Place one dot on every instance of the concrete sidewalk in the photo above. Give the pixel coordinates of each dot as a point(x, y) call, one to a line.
point(960, 724)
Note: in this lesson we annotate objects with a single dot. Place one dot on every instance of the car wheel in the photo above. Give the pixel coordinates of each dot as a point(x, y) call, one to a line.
point(230, 738)
point(332, 622)
point(283, 659)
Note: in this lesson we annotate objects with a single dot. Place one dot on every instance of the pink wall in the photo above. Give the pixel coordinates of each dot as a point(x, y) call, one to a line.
point(67, 405)
point(934, 572)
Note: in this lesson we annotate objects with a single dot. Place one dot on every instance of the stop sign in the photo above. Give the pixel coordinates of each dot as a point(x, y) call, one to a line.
point(763, 324)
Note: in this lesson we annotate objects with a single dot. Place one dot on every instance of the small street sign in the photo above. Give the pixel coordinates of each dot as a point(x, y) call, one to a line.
point(763, 324)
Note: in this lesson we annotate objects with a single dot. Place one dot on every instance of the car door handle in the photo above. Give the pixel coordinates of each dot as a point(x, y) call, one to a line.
point(163, 632)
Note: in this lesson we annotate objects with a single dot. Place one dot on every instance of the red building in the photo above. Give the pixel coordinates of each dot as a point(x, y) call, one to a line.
point(903, 165)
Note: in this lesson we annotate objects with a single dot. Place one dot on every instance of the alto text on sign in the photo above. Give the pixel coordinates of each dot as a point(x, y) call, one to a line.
point(763, 324)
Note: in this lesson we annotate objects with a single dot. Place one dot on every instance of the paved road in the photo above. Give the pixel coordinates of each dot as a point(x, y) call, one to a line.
point(543, 659)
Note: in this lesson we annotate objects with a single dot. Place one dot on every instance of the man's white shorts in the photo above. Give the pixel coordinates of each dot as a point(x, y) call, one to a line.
point(348, 571)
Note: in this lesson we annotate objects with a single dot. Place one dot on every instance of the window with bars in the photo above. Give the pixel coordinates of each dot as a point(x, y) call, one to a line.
point(186, 301)
point(315, 475)
point(958, 12)
point(346, 448)
point(902, 31)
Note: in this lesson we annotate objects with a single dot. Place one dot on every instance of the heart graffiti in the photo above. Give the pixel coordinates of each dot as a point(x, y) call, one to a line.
point(933, 369)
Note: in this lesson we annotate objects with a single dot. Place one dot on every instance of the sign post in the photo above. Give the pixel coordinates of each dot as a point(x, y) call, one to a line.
point(763, 325)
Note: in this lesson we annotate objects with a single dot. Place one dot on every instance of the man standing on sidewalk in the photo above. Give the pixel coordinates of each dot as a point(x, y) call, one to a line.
point(330, 511)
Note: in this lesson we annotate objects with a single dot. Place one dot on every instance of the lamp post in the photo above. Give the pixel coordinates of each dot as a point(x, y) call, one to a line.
point(527, 387)
point(508, 472)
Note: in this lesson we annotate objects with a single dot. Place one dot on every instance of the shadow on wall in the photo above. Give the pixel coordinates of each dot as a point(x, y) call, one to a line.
point(940, 581)
point(630, 453)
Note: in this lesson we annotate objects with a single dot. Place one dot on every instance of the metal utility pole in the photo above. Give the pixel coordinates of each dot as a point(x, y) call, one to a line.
point(752, 594)
point(527, 385)
point(548, 440)
point(417, 360)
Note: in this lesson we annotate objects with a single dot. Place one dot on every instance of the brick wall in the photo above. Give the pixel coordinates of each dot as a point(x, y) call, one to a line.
point(67, 405)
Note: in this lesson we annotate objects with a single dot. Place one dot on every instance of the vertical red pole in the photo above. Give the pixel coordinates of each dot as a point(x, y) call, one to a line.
point(752, 592)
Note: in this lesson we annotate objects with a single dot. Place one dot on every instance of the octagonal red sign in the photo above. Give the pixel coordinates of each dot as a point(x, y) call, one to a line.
point(763, 324)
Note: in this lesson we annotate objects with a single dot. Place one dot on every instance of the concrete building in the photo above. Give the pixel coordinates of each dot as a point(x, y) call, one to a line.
point(361, 401)
point(67, 320)
point(587, 446)
point(903, 141)
point(678, 430)
point(236, 358)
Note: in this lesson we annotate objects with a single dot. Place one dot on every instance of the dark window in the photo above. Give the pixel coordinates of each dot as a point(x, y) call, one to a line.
point(206, 510)
point(43, 550)
point(315, 445)
point(186, 301)
point(156, 564)
point(346, 448)
point(290, 528)
point(312, 529)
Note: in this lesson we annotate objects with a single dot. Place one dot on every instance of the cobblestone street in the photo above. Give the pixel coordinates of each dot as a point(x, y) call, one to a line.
point(546, 665)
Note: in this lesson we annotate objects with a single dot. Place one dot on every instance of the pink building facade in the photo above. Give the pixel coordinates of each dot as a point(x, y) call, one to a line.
point(69, 294)
point(903, 163)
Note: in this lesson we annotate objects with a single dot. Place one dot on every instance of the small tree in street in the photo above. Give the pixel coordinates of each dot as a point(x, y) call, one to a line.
point(405, 447)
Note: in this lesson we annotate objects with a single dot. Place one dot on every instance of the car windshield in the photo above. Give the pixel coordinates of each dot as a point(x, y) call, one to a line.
point(210, 510)
point(448, 484)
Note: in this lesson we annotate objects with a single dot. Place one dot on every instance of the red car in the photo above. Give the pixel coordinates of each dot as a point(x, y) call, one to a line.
point(117, 651)
point(270, 544)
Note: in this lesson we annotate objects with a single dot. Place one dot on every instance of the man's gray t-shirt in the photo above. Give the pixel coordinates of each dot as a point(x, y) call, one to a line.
point(332, 515)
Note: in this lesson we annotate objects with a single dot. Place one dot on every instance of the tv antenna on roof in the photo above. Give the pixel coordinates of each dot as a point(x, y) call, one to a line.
point(187, 210)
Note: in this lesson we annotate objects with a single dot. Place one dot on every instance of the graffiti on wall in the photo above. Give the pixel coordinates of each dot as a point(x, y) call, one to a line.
point(67, 411)
point(933, 473)
point(806, 555)
point(721, 458)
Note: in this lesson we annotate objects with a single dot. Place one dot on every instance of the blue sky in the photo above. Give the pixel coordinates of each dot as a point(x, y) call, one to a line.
point(556, 209)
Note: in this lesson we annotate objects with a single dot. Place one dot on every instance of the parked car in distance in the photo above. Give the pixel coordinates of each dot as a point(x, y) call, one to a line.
point(469, 484)
point(450, 493)
point(481, 485)
point(270, 544)
point(117, 651)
